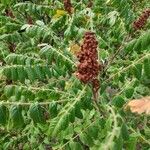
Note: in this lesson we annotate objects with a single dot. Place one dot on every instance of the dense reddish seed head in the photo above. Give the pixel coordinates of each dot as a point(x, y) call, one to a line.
point(68, 6)
point(141, 21)
point(88, 68)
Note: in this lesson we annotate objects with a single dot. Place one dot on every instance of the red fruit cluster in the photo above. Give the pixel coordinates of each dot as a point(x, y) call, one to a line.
point(68, 6)
point(138, 24)
point(88, 68)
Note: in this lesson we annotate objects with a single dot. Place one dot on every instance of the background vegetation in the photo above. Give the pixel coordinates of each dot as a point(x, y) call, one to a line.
point(43, 105)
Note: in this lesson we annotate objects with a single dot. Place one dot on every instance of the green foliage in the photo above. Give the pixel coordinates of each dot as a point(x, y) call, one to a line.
point(3, 115)
point(37, 113)
point(42, 103)
point(16, 116)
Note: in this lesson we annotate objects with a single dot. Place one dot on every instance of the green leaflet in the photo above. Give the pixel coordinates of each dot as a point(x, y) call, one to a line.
point(85, 103)
point(130, 45)
point(53, 95)
point(10, 59)
point(58, 23)
point(65, 122)
point(60, 71)
point(147, 67)
point(49, 55)
point(118, 143)
point(53, 109)
point(30, 73)
point(140, 44)
point(137, 71)
point(16, 116)
point(78, 112)
point(75, 146)
point(7, 72)
point(5, 2)
point(70, 32)
point(58, 60)
point(86, 139)
point(32, 8)
point(93, 131)
point(29, 61)
point(41, 95)
point(3, 114)
point(103, 87)
point(14, 73)
point(55, 74)
point(68, 133)
point(47, 71)
point(137, 45)
point(39, 72)
point(18, 92)
point(11, 37)
point(21, 60)
point(125, 132)
point(28, 94)
point(36, 113)
point(122, 77)
point(145, 43)
point(147, 131)
point(129, 92)
point(58, 124)
point(11, 27)
point(9, 90)
point(21, 74)
point(44, 52)
point(35, 29)
point(72, 115)
point(131, 143)
point(118, 101)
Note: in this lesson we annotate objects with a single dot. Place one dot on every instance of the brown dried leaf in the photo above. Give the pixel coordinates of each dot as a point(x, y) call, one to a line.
point(140, 105)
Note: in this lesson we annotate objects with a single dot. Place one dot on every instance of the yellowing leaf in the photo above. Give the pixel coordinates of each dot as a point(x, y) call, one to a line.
point(74, 48)
point(59, 13)
point(140, 105)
